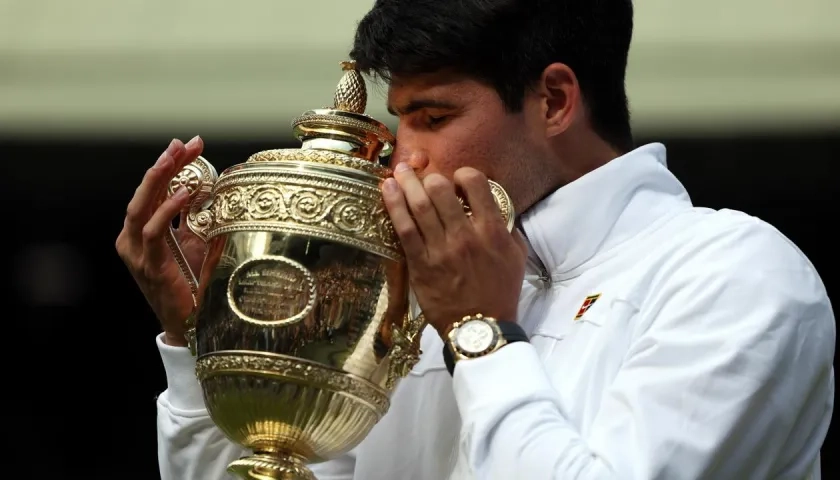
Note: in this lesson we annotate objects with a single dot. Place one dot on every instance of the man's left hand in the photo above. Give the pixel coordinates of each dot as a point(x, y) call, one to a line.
point(458, 265)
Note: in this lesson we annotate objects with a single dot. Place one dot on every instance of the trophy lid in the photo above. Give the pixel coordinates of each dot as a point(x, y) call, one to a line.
point(344, 127)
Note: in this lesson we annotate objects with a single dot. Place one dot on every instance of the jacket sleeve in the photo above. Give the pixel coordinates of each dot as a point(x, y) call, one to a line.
point(190, 447)
point(728, 375)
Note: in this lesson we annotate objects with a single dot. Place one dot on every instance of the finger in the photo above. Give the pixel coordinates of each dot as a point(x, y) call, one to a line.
point(182, 155)
point(154, 246)
point(476, 189)
point(192, 150)
point(421, 206)
point(178, 153)
point(407, 231)
point(145, 197)
point(442, 193)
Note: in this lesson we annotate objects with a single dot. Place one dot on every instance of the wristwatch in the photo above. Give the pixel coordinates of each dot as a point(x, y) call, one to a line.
point(476, 335)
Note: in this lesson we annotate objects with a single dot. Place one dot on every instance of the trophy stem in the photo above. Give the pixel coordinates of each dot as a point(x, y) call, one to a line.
point(271, 466)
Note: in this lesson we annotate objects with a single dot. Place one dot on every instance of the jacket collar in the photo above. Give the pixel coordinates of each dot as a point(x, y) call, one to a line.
point(602, 209)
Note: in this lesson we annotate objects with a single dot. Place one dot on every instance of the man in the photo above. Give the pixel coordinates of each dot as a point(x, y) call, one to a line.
point(648, 338)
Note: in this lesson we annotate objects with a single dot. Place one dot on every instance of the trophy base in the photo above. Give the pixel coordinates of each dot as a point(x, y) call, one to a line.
point(271, 466)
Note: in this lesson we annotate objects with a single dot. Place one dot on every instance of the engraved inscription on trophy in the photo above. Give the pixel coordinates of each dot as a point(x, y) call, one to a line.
point(271, 290)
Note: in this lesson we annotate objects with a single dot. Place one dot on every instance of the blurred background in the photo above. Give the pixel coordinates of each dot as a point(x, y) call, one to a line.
point(744, 93)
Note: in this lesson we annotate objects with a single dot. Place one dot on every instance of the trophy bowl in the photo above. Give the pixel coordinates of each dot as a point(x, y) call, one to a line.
point(303, 322)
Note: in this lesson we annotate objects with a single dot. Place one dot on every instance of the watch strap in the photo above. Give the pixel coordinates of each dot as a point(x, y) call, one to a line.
point(511, 332)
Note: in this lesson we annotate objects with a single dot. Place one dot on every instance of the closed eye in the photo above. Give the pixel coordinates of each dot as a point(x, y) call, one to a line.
point(437, 121)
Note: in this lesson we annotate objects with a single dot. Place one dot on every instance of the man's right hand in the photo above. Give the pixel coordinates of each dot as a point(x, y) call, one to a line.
point(142, 244)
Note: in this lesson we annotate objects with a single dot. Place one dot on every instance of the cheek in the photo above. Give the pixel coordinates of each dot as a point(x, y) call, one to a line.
point(475, 147)
point(443, 151)
point(477, 144)
point(447, 159)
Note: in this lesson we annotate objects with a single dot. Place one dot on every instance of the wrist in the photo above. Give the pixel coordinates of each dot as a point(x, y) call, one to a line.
point(477, 336)
point(444, 328)
point(181, 336)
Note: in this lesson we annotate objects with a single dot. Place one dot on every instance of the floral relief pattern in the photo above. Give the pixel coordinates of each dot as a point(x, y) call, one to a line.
point(346, 209)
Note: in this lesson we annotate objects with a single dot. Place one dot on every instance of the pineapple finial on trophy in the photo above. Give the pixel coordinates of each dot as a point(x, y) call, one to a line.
point(344, 127)
point(351, 94)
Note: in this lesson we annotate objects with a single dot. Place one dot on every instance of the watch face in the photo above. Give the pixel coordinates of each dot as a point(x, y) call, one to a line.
point(475, 336)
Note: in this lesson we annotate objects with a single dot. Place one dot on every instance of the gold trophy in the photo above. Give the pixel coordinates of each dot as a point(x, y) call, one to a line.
point(303, 323)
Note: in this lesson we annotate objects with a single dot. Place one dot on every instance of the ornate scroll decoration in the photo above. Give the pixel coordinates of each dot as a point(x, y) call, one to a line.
point(405, 352)
point(303, 203)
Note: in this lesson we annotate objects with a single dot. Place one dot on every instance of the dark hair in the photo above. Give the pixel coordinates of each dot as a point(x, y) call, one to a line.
point(507, 44)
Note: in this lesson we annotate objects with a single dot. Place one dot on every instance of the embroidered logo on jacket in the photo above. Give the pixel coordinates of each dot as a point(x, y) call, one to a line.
point(587, 304)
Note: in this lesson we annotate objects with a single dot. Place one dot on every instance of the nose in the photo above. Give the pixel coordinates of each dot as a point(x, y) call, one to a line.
point(410, 152)
point(416, 159)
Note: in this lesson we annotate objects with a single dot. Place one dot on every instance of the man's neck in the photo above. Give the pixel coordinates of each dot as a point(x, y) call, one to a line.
point(603, 208)
point(570, 161)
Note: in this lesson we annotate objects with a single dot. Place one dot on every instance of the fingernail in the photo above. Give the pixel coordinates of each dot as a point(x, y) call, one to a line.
point(193, 141)
point(390, 185)
point(181, 193)
point(173, 147)
point(402, 167)
point(163, 160)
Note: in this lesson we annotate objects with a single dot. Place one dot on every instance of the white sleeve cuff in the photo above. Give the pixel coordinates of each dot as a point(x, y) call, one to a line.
point(183, 390)
point(511, 375)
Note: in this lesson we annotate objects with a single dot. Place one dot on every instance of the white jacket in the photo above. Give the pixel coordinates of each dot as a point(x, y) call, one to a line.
point(708, 354)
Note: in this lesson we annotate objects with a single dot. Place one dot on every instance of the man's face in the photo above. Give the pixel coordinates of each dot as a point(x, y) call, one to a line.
point(449, 121)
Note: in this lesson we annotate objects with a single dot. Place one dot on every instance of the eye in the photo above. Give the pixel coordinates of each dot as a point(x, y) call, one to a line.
point(436, 121)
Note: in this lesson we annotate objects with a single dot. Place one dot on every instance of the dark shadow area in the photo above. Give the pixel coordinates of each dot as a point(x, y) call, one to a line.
point(85, 380)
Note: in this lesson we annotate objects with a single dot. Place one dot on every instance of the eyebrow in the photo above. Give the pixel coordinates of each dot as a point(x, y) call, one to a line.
point(415, 105)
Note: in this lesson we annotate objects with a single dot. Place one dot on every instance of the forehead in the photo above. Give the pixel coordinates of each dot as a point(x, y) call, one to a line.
point(447, 88)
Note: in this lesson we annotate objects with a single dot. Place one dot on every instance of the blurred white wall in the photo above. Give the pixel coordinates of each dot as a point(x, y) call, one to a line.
point(246, 68)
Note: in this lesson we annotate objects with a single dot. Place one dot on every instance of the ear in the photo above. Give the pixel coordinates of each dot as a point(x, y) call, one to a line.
point(560, 92)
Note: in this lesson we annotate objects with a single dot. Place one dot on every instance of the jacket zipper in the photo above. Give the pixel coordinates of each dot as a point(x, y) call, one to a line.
point(541, 272)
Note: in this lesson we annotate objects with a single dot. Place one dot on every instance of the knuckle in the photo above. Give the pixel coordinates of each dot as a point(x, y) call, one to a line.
point(437, 184)
point(467, 239)
point(147, 271)
point(460, 249)
point(135, 265)
point(470, 176)
point(151, 173)
point(121, 252)
point(423, 206)
point(150, 232)
point(435, 260)
point(119, 245)
point(462, 242)
point(126, 252)
point(132, 211)
point(406, 231)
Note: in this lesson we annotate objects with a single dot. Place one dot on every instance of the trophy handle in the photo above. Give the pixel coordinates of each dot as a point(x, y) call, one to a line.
point(406, 344)
point(503, 201)
point(198, 177)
